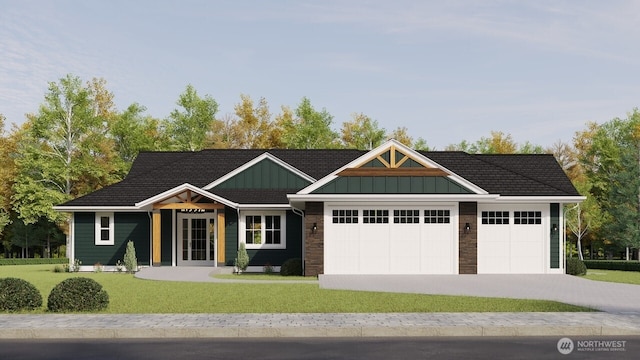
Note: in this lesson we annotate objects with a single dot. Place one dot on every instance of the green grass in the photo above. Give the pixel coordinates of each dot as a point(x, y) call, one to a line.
point(130, 295)
point(627, 277)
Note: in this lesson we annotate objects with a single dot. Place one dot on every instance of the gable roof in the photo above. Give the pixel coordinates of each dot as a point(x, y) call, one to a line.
point(155, 173)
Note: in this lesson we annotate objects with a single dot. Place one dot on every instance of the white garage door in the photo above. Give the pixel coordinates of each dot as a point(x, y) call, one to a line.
point(390, 239)
point(511, 239)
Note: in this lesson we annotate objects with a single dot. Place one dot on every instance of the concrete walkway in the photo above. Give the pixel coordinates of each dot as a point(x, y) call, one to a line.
point(622, 318)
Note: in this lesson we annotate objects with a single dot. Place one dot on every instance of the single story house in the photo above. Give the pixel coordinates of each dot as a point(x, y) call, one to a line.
point(390, 210)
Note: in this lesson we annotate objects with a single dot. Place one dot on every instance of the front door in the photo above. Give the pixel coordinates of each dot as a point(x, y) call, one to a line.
point(196, 239)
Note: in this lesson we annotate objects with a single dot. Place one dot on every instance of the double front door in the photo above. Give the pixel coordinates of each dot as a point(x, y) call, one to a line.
point(196, 239)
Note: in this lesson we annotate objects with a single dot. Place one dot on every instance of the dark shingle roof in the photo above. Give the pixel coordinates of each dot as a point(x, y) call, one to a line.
point(155, 172)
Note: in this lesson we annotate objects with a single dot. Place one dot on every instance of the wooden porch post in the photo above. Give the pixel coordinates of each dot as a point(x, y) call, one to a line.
point(157, 259)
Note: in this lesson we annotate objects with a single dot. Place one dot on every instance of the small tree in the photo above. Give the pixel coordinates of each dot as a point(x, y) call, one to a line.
point(130, 260)
point(242, 261)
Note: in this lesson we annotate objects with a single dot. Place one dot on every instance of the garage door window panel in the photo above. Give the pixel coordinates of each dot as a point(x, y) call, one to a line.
point(375, 216)
point(437, 216)
point(527, 217)
point(344, 216)
point(408, 216)
point(495, 218)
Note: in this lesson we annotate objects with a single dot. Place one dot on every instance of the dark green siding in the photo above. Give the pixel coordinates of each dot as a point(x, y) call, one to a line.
point(392, 185)
point(276, 257)
point(166, 236)
point(231, 235)
point(266, 174)
point(555, 236)
point(128, 226)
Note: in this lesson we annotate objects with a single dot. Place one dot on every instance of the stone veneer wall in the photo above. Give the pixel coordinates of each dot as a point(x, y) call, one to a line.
point(468, 243)
point(314, 242)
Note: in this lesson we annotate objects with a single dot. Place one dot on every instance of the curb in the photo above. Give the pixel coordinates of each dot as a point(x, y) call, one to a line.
point(320, 331)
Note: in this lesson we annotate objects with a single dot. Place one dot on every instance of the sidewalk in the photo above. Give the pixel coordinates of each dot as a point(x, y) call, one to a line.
point(76, 326)
point(619, 300)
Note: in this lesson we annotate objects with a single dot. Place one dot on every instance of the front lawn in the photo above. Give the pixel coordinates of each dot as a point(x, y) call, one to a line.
point(627, 277)
point(130, 295)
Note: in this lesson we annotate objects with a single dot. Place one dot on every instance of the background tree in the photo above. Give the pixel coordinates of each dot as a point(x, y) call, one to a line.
point(611, 164)
point(361, 133)
point(189, 127)
point(253, 127)
point(308, 129)
point(132, 132)
point(497, 143)
point(63, 153)
point(401, 134)
point(7, 174)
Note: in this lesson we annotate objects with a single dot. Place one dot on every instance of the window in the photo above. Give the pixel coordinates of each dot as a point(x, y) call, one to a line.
point(266, 230)
point(495, 217)
point(375, 216)
point(527, 217)
point(406, 216)
point(437, 216)
point(104, 229)
point(345, 216)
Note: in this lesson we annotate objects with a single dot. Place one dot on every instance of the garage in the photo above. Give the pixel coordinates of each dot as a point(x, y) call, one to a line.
point(512, 239)
point(390, 239)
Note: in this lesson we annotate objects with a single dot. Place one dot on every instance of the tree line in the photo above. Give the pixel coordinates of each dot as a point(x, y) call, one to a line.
point(77, 141)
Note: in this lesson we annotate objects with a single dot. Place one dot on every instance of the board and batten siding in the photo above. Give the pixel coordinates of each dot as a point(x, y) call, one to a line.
point(265, 175)
point(128, 226)
point(166, 236)
point(231, 235)
point(392, 185)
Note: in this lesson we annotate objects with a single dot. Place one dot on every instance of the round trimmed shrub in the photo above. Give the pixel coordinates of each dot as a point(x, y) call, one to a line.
point(77, 294)
point(576, 266)
point(18, 294)
point(291, 267)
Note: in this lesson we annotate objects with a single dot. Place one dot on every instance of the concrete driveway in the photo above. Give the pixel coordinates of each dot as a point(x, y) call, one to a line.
point(604, 296)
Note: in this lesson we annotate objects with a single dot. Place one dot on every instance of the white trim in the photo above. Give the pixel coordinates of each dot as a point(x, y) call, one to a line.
point(72, 240)
point(264, 206)
point(540, 199)
point(387, 145)
point(242, 227)
point(174, 237)
point(181, 188)
point(265, 156)
point(190, 216)
point(98, 229)
point(91, 208)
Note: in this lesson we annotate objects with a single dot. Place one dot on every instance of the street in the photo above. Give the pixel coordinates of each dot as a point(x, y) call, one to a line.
point(324, 348)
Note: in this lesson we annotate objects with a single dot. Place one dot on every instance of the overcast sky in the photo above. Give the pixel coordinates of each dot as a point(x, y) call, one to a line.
point(447, 70)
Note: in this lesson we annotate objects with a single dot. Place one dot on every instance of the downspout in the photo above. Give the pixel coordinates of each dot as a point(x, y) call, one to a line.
point(301, 214)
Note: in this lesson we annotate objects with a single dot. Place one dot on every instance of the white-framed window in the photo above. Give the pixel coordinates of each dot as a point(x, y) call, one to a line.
point(264, 230)
point(104, 229)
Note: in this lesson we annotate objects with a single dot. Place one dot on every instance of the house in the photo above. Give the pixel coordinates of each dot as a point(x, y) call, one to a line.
point(391, 210)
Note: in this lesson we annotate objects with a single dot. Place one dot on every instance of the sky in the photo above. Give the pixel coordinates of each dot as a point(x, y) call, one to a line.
point(448, 71)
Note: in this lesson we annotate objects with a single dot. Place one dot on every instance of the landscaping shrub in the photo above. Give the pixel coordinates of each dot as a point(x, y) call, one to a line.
point(78, 294)
point(621, 265)
point(18, 294)
point(31, 261)
point(130, 260)
point(291, 267)
point(576, 266)
point(242, 261)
